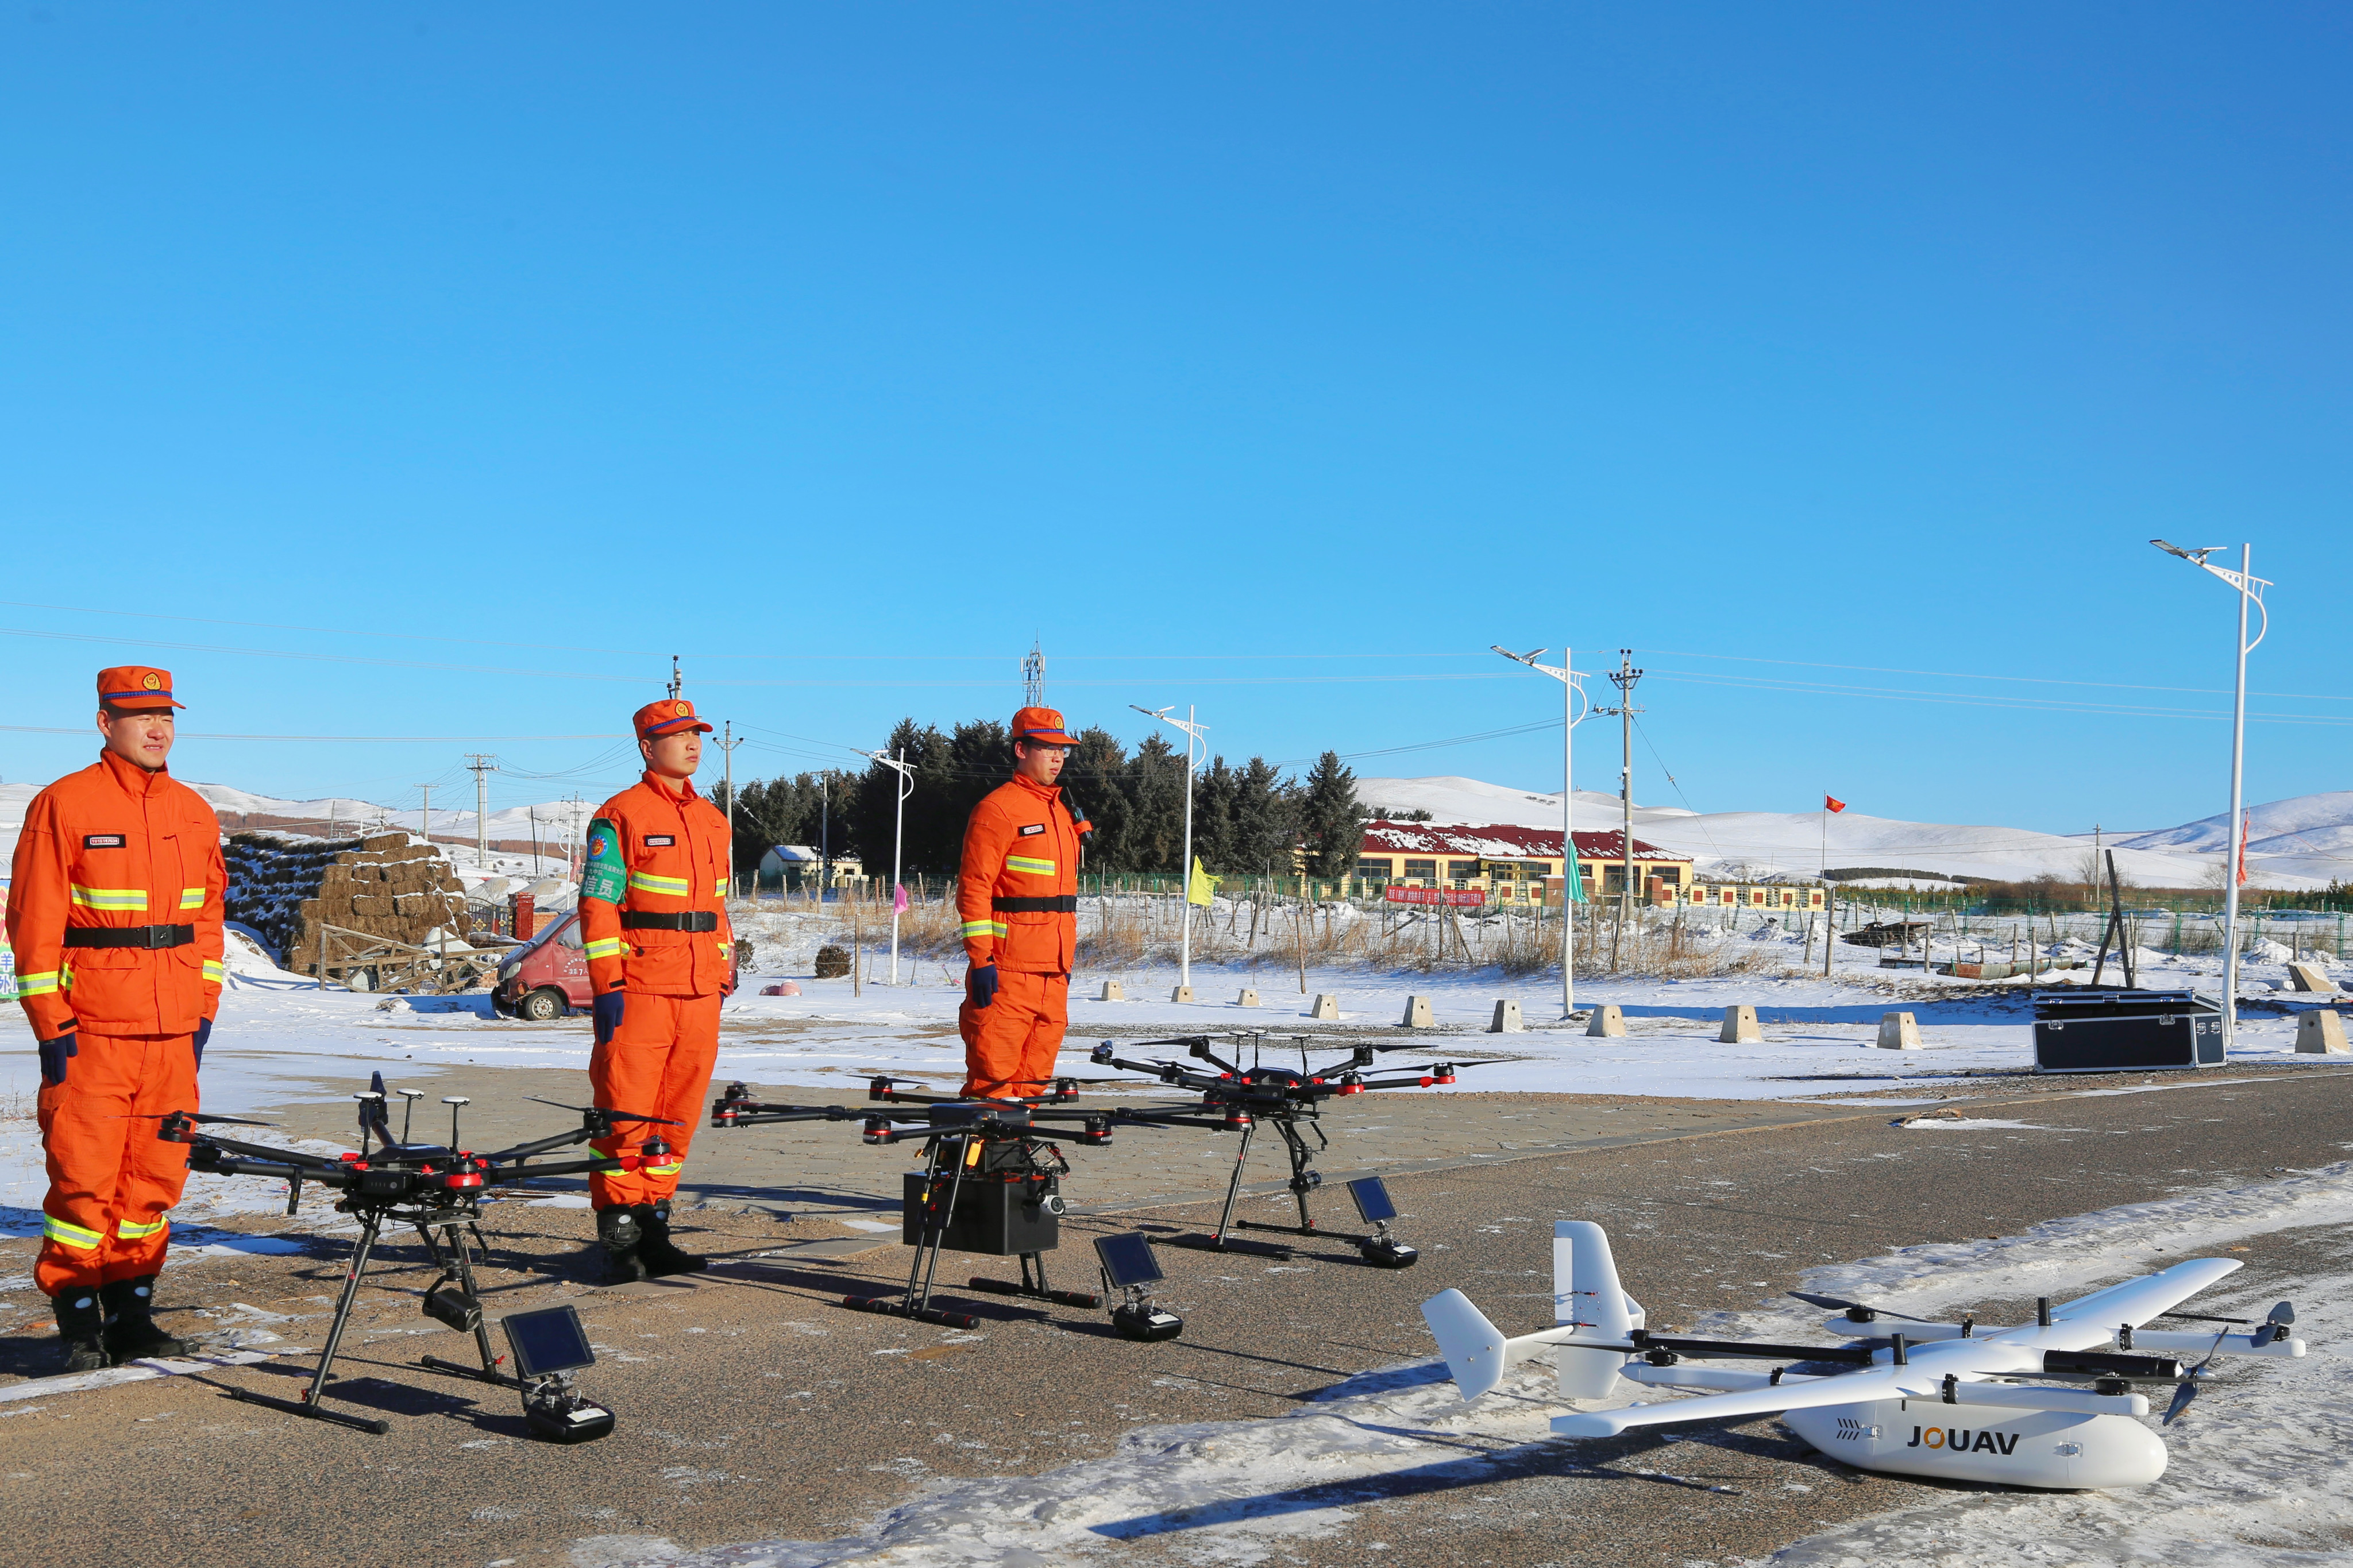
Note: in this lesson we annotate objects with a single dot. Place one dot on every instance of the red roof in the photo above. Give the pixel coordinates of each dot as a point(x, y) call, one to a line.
point(1500, 841)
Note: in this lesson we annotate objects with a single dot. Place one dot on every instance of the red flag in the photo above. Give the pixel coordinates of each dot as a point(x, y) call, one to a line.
point(1831, 802)
point(2243, 848)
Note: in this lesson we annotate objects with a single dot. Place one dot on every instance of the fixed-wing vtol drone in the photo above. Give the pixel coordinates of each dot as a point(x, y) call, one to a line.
point(1927, 1399)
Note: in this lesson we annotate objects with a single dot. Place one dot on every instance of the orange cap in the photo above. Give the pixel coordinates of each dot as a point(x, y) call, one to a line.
point(1041, 724)
point(667, 717)
point(136, 689)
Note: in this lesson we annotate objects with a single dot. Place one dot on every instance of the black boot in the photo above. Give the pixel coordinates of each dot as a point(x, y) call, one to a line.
point(656, 1252)
point(130, 1329)
point(81, 1327)
point(618, 1231)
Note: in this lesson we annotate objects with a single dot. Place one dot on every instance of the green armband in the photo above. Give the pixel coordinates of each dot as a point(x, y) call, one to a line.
point(602, 873)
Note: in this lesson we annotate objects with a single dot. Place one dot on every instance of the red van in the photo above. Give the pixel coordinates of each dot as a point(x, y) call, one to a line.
point(547, 977)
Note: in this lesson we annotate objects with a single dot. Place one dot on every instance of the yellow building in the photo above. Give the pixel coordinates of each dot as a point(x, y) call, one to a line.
point(1513, 864)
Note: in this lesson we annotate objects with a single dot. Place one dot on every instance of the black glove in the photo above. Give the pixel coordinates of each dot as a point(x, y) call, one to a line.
point(607, 1012)
point(204, 1033)
point(53, 1057)
point(981, 983)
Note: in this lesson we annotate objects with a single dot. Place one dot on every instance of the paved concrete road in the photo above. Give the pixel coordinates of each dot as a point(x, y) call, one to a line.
point(752, 1406)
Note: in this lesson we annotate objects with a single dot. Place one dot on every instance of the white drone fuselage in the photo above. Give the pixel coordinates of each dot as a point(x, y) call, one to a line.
point(1954, 1406)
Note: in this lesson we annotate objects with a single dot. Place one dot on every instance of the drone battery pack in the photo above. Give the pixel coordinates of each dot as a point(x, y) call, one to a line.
point(2125, 1031)
point(993, 1217)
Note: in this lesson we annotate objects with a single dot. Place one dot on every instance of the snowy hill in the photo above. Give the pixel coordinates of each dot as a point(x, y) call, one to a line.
point(2300, 843)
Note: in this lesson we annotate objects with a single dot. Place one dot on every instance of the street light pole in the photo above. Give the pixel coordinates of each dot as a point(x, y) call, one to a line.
point(2249, 589)
point(898, 838)
point(1569, 692)
point(1193, 732)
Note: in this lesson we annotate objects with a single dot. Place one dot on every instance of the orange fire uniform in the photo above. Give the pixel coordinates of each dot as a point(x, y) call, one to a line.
point(114, 915)
point(1016, 897)
point(653, 917)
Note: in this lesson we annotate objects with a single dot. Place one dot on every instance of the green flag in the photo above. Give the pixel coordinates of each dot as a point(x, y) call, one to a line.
point(1572, 877)
point(1201, 886)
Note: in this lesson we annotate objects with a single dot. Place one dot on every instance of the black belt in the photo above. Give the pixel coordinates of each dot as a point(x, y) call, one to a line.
point(130, 936)
point(688, 920)
point(1062, 904)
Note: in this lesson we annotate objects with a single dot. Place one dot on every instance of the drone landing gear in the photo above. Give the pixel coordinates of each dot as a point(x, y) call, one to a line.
point(1381, 1249)
point(1035, 1289)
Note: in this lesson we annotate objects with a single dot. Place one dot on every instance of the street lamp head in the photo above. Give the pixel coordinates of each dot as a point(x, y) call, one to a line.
point(1153, 712)
point(1528, 659)
point(2197, 557)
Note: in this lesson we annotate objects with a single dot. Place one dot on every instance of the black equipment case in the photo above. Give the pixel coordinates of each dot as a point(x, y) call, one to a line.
point(1002, 1209)
point(2121, 1030)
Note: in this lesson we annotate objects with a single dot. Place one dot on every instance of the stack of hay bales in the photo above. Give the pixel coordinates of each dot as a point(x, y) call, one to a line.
point(392, 885)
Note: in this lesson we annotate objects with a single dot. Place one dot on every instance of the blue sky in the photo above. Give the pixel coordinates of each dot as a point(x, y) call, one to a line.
point(448, 368)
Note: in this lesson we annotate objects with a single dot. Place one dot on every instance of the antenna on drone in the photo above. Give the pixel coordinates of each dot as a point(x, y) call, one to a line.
point(1033, 676)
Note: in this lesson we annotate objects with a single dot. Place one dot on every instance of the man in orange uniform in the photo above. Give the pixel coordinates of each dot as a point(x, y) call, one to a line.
point(1017, 896)
point(121, 1007)
point(653, 915)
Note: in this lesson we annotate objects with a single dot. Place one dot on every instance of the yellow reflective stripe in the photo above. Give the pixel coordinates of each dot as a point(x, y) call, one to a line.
point(39, 984)
point(1029, 866)
point(604, 947)
point(191, 898)
point(983, 928)
point(72, 1236)
point(109, 897)
point(665, 1170)
point(129, 1231)
point(669, 887)
point(718, 888)
point(214, 969)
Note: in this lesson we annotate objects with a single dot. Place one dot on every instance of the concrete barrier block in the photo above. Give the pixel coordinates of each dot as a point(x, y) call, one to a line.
point(1417, 1013)
point(1180, 994)
point(1113, 991)
point(2321, 1032)
point(1326, 1005)
point(1740, 1027)
point(2308, 977)
point(1899, 1032)
point(1606, 1022)
point(1507, 1018)
point(1249, 999)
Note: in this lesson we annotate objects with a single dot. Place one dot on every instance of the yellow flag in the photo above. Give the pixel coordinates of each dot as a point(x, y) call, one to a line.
point(1201, 886)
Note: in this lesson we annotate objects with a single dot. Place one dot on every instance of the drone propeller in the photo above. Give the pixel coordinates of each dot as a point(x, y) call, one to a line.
point(609, 1115)
point(2274, 1325)
point(2186, 1389)
point(1856, 1311)
point(197, 1117)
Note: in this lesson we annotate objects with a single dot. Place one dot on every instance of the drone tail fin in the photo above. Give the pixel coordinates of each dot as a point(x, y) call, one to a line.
point(1587, 1297)
point(1476, 1351)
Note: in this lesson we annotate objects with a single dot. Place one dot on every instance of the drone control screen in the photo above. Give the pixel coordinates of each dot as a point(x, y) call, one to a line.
point(1128, 1259)
point(1372, 1197)
point(550, 1340)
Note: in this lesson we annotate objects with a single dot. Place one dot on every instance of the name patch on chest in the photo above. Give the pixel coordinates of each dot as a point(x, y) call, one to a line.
point(1033, 827)
point(103, 841)
point(659, 840)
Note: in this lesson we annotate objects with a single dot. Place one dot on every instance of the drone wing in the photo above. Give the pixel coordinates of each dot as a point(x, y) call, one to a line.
point(2089, 1320)
point(1839, 1388)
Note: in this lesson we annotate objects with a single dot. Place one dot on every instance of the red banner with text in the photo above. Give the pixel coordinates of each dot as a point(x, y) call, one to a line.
point(1468, 898)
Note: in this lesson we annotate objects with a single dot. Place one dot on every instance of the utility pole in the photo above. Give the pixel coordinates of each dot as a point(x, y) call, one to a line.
point(1624, 678)
point(424, 812)
point(483, 764)
point(824, 833)
point(1033, 676)
point(898, 839)
point(728, 742)
point(1195, 734)
point(677, 681)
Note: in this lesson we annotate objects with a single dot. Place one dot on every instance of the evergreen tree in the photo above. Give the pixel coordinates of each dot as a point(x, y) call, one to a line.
point(1154, 787)
point(1332, 829)
point(1213, 816)
point(1265, 814)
